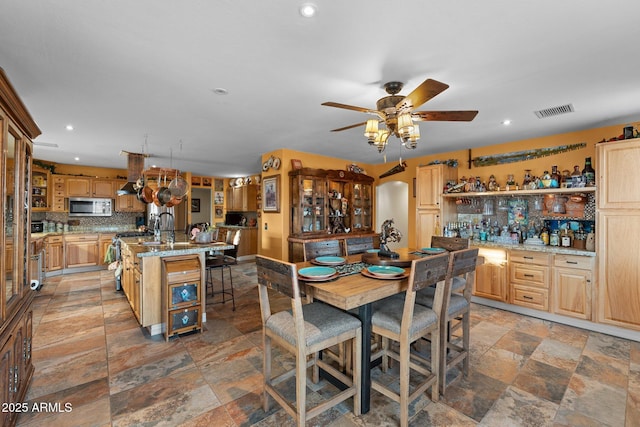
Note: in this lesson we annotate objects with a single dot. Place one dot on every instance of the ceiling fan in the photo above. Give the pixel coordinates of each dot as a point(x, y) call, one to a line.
point(397, 113)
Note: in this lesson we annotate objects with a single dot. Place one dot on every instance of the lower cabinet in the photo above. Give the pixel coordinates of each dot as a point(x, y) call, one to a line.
point(54, 249)
point(491, 275)
point(427, 221)
point(131, 281)
point(572, 285)
point(81, 250)
point(529, 279)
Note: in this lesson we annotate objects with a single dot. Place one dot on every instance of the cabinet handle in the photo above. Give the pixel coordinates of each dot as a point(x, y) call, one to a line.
point(526, 297)
point(528, 257)
point(572, 262)
point(528, 275)
point(16, 378)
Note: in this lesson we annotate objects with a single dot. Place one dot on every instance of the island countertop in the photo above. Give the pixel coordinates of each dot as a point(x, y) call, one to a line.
point(147, 247)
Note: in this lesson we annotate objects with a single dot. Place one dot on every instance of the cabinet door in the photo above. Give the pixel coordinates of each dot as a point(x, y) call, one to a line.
point(361, 207)
point(55, 255)
point(78, 187)
point(572, 292)
point(103, 188)
point(40, 194)
point(82, 251)
point(59, 193)
point(105, 242)
point(618, 272)
point(617, 164)
point(7, 377)
point(428, 224)
point(491, 276)
point(429, 187)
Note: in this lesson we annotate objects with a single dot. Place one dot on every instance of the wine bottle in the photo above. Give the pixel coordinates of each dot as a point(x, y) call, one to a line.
point(588, 173)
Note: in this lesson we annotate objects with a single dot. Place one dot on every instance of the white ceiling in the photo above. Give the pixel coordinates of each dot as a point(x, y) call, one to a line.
point(122, 69)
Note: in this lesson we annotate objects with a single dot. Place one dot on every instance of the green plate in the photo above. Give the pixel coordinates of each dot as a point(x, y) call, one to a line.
point(433, 251)
point(317, 272)
point(330, 260)
point(385, 270)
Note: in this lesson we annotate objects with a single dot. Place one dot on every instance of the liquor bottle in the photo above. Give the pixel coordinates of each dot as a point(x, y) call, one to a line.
point(588, 173)
point(555, 177)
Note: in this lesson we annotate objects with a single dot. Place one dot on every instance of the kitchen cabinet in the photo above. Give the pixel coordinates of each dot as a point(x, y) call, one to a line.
point(248, 239)
point(572, 279)
point(54, 250)
point(332, 202)
point(618, 225)
point(131, 281)
point(491, 276)
point(77, 186)
point(40, 194)
point(243, 198)
point(105, 240)
point(129, 202)
point(182, 295)
point(103, 188)
point(59, 193)
point(16, 297)
point(432, 210)
point(81, 250)
point(529, 279)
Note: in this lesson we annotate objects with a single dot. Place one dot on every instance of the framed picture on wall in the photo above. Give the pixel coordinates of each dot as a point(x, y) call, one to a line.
point(218, 211)
point(296, 164)
point(206, 182)
point(218, 184)
point(195, 205)
point(271, 194)
point(218, 197)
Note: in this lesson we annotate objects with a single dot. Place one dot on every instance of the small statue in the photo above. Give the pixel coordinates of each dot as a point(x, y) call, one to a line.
point(389, 234)
point(493, 185)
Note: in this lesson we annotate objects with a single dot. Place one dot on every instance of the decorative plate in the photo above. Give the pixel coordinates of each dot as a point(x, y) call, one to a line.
point(433, 251)
point(385, 270)
point(329, 260)
point(365, 272)
point(276, 163)
point(239, 182)
point(265, 166)
point(317, 272)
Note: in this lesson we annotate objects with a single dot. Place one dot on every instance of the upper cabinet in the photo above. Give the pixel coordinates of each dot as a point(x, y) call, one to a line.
point(103, 188)
point(617, 166)
point(430, 182)
point(330, 202)
point(78, 187)
point(40, 194)
point(243, 198)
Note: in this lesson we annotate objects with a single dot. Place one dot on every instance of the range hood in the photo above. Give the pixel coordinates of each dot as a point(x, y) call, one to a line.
point(135, 166)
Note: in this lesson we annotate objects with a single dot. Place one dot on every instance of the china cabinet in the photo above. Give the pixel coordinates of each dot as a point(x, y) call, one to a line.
point(17, 130)
point(330, 202)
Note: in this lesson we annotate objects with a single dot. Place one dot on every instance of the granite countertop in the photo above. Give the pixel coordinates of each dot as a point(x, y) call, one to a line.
point(534, 248)
point(146, 246)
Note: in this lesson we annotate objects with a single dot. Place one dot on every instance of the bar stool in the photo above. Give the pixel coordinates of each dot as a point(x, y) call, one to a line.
point(222, 261)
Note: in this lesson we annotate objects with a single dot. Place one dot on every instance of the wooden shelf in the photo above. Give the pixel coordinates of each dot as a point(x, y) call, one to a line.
point(541, 192)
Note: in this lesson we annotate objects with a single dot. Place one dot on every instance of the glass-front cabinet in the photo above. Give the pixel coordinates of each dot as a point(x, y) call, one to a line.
point(325, 202)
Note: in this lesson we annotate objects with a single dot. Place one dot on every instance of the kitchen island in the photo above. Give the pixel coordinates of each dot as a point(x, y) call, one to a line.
point(146, 276)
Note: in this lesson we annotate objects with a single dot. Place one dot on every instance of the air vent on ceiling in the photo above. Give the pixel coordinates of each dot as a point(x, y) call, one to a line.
point(554, 111)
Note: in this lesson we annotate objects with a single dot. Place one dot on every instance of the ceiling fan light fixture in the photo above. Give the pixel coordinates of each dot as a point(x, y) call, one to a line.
point(381, 139)
point(371, 130)
point(405, 125)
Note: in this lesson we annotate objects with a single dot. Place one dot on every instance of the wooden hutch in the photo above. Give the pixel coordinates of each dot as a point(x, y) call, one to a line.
point(328, 205)
point(16, 314)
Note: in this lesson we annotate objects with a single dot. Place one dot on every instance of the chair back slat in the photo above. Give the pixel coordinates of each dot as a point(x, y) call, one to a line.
point(449, 243)
point(322, 248)
point(358, 245)
point(429, 270)
point(464, 261)
point(278, 275)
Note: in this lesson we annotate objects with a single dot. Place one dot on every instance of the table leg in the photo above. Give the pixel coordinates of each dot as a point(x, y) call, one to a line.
point(364, 313)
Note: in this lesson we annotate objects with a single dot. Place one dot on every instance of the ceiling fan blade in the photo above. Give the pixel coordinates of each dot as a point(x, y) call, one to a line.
point(427, 90)
point(444, 116)
point(350, 107)
point(349, 127)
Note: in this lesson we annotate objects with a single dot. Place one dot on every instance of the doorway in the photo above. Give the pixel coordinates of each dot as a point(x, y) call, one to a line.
point(392, 201)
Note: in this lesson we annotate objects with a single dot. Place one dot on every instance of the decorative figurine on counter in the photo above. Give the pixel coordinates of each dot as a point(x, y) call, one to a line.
point(493, 185)
point(389, 234)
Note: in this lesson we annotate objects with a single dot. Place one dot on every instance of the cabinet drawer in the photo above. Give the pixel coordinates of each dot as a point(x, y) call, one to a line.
point(526, 257)
point(574, 261)
point(54, 239)
point(531, 275)
point(81, 238)
point(530, 297)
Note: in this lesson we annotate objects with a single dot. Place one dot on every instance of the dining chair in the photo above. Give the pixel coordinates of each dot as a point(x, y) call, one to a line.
point(451, 244)
point(400, 319)
point(313, 250)
point(221, 261)
point(456, 316)
point(358, 245)
point(304, 331)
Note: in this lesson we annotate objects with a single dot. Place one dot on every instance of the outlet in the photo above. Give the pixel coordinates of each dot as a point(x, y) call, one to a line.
point(266, 226)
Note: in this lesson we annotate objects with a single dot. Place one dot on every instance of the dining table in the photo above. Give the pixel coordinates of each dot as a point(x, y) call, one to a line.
point(354, 288)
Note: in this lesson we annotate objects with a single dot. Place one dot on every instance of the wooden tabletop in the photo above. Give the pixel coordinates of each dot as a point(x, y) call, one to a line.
point(404, 259)
point(354, 290)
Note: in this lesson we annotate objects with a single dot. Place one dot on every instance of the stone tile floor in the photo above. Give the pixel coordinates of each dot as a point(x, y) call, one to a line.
point(90, 352)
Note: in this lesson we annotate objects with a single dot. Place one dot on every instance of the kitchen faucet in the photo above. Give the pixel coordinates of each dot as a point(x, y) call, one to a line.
point(171, 230)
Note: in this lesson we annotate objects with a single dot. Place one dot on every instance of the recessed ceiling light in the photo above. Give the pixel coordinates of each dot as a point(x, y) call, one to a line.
point(77, 159)
point(69, 127)
point(506, 122)
point(220, 91)
point(308, 10)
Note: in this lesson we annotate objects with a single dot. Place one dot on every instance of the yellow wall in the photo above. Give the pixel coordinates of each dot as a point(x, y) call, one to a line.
point(274, 240)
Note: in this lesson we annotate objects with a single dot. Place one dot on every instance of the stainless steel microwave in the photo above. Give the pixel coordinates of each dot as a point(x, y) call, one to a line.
point(88, 206)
